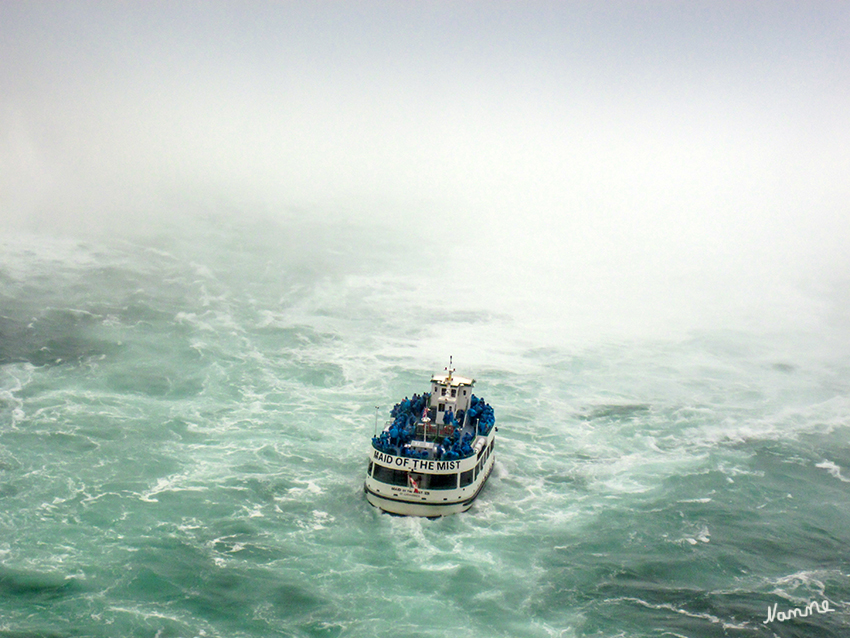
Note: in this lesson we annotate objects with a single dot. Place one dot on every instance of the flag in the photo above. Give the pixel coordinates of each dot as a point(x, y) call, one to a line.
point(412, 483)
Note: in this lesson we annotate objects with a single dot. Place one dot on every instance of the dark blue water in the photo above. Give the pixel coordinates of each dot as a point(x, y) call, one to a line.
point(185, 420)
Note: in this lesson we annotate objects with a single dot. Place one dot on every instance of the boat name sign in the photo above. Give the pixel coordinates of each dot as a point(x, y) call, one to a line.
point(415, 465)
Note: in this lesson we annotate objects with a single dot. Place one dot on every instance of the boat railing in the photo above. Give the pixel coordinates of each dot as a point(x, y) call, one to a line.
point(427, 431)
point(431, 431)
point(412, 421)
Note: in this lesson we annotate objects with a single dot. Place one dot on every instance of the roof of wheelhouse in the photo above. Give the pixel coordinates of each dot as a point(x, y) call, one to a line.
point(451, 380)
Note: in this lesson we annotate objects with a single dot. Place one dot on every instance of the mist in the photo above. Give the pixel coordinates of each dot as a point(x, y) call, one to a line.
point(618, 168)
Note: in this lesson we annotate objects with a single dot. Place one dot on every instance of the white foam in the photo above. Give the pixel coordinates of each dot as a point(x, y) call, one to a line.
point(173, 483)
point(803, 586)
point(311, 487)
point(833, 470)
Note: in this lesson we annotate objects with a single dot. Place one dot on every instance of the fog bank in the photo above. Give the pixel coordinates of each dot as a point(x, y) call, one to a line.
point(623, 165)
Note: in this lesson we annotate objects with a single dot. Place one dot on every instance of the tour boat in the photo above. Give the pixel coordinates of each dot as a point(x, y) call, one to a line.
point(435, 455)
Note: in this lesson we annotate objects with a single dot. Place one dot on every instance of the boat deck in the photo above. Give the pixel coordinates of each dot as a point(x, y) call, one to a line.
point(429, 438)
point(422, 431)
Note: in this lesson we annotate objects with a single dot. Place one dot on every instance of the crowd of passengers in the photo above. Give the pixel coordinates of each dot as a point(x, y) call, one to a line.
point(397, 438)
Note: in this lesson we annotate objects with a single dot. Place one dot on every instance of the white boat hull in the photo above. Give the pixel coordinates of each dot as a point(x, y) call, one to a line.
point(404, 508)
point(405, 500)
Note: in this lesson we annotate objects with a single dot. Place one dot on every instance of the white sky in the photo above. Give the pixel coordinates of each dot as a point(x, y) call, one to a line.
point(626, 153)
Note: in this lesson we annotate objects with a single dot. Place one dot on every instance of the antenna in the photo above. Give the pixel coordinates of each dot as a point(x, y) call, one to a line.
point(450, 369)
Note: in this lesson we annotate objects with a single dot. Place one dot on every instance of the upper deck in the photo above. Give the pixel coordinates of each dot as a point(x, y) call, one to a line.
point(429, 427)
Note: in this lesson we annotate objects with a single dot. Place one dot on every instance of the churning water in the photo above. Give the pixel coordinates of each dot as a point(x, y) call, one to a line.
point(185, 422)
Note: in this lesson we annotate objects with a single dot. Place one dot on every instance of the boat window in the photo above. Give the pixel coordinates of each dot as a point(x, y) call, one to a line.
point(441, 481)
point(466, 478)
point(390, 476)
point(443, 393)
point(369, 471)
point(454, 392)
point(441, 407)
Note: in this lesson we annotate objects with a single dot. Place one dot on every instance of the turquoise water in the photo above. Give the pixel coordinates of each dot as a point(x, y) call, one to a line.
point(185, 420)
